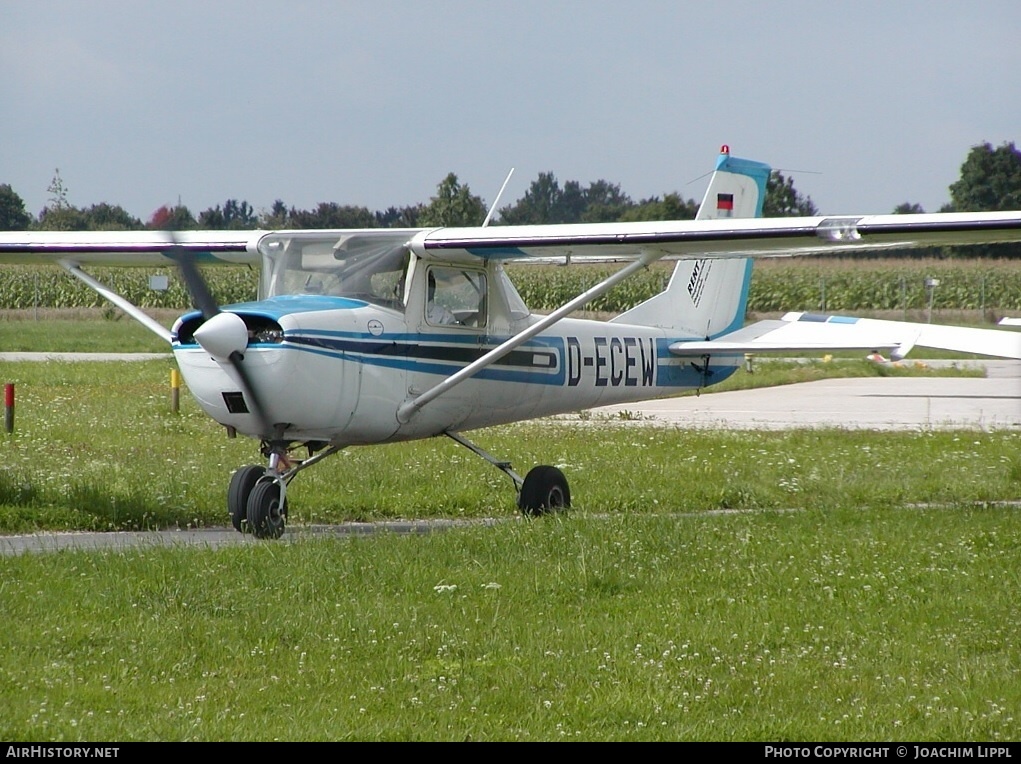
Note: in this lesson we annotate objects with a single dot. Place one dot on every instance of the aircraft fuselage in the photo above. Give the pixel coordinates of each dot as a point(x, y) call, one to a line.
point(340, 375)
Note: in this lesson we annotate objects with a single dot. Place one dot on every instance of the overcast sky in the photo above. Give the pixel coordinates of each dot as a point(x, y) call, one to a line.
point(867, 103)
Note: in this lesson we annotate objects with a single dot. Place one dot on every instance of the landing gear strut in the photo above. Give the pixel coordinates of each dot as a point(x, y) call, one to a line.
point(257, 495)
point(544, 489)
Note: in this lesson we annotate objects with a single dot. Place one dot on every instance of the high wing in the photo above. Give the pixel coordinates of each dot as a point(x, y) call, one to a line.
point(699, 326)
point(720, 238)
point(738, 239)
point(685, 239)
point(141, 248)
point(72, 249)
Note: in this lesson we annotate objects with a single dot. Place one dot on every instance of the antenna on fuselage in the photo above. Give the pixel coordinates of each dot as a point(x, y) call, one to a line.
point(492, 208)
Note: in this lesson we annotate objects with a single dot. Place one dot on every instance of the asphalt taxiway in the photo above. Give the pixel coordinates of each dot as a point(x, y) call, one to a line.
point(987, 403)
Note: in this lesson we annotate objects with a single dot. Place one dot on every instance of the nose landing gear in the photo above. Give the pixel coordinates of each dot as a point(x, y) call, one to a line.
point(257, 502)
point(267, 509)
point(241, 484)
point(257, 495)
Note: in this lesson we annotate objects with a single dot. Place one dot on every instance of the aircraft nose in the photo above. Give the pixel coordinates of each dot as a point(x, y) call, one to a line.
point(223, 335)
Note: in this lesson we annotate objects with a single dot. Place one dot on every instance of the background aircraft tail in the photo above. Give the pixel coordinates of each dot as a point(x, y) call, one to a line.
point(708, 297)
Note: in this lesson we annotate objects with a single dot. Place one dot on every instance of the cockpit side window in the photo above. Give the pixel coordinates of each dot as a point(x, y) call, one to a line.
point(456, 296)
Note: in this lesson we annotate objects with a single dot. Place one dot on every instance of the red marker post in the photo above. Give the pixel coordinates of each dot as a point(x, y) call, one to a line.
point(9, 407)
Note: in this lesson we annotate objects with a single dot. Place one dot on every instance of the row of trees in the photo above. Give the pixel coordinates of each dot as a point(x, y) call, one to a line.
point(990, 180)
point(454, 204)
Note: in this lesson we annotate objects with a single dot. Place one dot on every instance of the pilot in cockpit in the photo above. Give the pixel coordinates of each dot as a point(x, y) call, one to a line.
point(434, 312)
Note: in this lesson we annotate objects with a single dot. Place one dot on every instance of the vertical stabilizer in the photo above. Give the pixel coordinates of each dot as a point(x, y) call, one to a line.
point(707, 297)
point(736, 190)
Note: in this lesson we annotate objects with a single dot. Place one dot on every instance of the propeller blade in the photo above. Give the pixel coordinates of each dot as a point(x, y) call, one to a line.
point(204, 301)
point(254, 406)
point(200, 294)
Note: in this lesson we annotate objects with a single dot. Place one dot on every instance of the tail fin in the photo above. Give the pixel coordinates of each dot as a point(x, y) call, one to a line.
point(706, 298)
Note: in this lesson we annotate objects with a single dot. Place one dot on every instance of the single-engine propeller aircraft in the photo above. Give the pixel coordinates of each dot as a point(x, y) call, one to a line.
point(380, 335)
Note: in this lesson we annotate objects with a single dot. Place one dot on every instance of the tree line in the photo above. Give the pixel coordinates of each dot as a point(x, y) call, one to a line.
point(990, 180)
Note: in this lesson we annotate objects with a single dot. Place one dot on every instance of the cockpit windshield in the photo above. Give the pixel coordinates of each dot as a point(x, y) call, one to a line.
point(362, 265)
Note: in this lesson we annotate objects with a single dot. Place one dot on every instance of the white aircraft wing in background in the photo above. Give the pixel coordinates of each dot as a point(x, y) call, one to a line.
point(809, 331)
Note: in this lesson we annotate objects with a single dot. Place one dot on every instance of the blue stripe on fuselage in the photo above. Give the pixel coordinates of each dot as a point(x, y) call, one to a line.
point(540, 361)
point(446, 354)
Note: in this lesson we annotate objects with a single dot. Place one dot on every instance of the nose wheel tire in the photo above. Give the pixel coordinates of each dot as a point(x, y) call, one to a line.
point(267, 510)
point(544, 490)
point(241, 484)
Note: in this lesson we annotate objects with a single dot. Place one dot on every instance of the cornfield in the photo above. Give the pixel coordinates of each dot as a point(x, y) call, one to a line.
point(886, 285)
point(807, 284)
point(29, 286)
point(777, 285)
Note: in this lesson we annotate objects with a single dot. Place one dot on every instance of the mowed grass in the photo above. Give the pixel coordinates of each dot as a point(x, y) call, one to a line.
point(707, 585)
point(96, 447)
point(84, 330)
point(840, 625)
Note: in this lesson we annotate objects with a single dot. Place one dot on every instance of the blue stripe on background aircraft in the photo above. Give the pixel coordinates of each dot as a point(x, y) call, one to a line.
point(381, 335)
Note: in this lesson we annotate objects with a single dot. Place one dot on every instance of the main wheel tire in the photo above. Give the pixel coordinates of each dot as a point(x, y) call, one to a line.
point(544, 490)
point(266, 512)
point(241, 484)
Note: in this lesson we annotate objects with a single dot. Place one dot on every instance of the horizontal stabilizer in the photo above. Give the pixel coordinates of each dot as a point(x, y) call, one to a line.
point(810, 332)
point(780, 337)
point(962, 339)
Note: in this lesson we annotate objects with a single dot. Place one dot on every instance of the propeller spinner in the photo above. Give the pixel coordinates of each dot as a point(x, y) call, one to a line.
point(223, 335)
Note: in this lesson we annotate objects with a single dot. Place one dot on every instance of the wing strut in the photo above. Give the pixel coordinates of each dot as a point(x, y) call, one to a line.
point(410, 407)
point(132, 310)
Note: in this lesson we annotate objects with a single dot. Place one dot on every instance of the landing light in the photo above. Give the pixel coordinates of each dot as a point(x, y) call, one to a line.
point(839, 230)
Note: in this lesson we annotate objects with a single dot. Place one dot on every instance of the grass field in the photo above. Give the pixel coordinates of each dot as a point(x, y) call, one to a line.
point(84, 330)
point(96, 447)
point(819, 625)
point(708, 585)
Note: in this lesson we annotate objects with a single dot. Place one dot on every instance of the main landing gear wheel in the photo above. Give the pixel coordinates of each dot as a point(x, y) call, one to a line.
point(267, 510)
point(544, 490)
point(241, 484)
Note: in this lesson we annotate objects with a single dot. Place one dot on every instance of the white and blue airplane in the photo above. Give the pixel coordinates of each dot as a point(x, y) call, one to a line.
point(380, 335)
